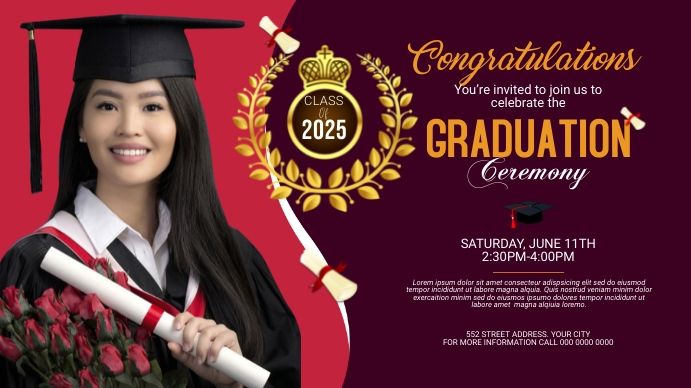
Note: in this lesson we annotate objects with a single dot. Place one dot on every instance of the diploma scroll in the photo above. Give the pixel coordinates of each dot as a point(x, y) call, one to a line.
point(340, 287)
point(637, 123)
point(287, 43)
point(136, 309)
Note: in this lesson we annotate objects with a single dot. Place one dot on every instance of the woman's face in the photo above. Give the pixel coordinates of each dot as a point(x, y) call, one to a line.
point(130, 131)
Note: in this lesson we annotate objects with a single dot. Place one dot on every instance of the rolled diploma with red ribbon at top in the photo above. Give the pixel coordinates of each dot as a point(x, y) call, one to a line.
point(137, 310)
point(287, 43)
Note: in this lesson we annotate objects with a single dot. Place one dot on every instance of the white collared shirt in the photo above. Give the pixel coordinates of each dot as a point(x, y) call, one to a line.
point(102, 227)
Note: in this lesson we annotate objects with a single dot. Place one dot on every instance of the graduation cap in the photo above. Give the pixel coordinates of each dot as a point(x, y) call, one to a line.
point(125, 48)
point(526, 212)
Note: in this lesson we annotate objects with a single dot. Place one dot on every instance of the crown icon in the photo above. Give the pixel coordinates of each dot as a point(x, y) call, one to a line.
point(324, 68)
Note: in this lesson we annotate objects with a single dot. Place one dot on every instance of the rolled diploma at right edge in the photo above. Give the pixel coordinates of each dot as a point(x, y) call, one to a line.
point(135, 308)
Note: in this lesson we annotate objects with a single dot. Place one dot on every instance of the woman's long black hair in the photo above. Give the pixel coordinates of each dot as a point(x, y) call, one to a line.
point(200, 239)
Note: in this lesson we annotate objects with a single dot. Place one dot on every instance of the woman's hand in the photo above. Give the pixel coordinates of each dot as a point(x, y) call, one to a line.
point(212, 338)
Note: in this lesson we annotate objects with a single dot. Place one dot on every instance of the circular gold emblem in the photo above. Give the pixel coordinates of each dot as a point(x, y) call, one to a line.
point(363, 177)
point(324, 120)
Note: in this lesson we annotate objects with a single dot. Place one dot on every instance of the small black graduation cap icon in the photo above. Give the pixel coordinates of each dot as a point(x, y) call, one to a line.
point(526, 212)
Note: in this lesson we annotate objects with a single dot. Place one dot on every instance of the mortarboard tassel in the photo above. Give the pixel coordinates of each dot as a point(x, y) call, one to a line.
point(34, 117)
point(513, 216)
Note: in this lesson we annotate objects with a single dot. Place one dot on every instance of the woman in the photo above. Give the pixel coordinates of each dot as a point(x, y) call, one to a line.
point(136, 186)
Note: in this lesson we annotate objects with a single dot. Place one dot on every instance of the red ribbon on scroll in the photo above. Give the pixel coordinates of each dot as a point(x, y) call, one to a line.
point(272, 41)
point(628, 120)
point(318, 283)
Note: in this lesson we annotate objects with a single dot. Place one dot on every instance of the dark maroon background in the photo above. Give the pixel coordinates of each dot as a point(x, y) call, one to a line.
point(635, 207)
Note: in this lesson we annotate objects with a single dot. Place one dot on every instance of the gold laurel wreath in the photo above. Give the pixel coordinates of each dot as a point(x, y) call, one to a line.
point(339, 185)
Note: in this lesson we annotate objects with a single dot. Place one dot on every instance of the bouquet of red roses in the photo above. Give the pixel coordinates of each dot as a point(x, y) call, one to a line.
point(72, 340)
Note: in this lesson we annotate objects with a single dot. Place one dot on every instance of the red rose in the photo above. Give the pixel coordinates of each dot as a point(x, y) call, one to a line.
point(9, 349)
point(121, 279)
point(59, 380)
point(90, 306)
point(57, 303)
point(63, 319)
point(60, 341)
point(87, 379)
point(71, 298)
point(16, 302)
point(34, 334)
point(84, 350)
point(105, 324)
point(111, 360)
point(140, 361)
point(50, 294)
point(46, 308)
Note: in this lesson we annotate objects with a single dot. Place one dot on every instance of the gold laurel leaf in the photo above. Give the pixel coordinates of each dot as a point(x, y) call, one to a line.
point(313, 178)
point(382, 87)
point(272, 76)
point(336, 178)
point(368, 56)
point(311, 202)
point(405, 100)
point(377, 76)
point(386, 101)
point(279, 69)
point(405, 150)
point(244, 150)
point(370, 69)
point(263, 101)
point(271, 62)
point(253, 81)
point(244, 100)
point(292, 170)
point(388, 120)
point(377, 61)
point(266, 87)
point(386, 70)
point(384, 140)
point(396, 82)
point(263, 70)
point(363, 62)
point(357, 171)
point(259, 174)
point(275, 157)
point(240, 122)
point(338, 203)
point(409, 122)
point(390, 174)
point(265, 139)
point(260, 120)
point(374, 158)
point(281, 192)
point(368, 192)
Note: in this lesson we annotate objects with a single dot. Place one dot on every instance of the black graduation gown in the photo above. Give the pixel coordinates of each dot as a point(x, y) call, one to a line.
point(20, 267)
